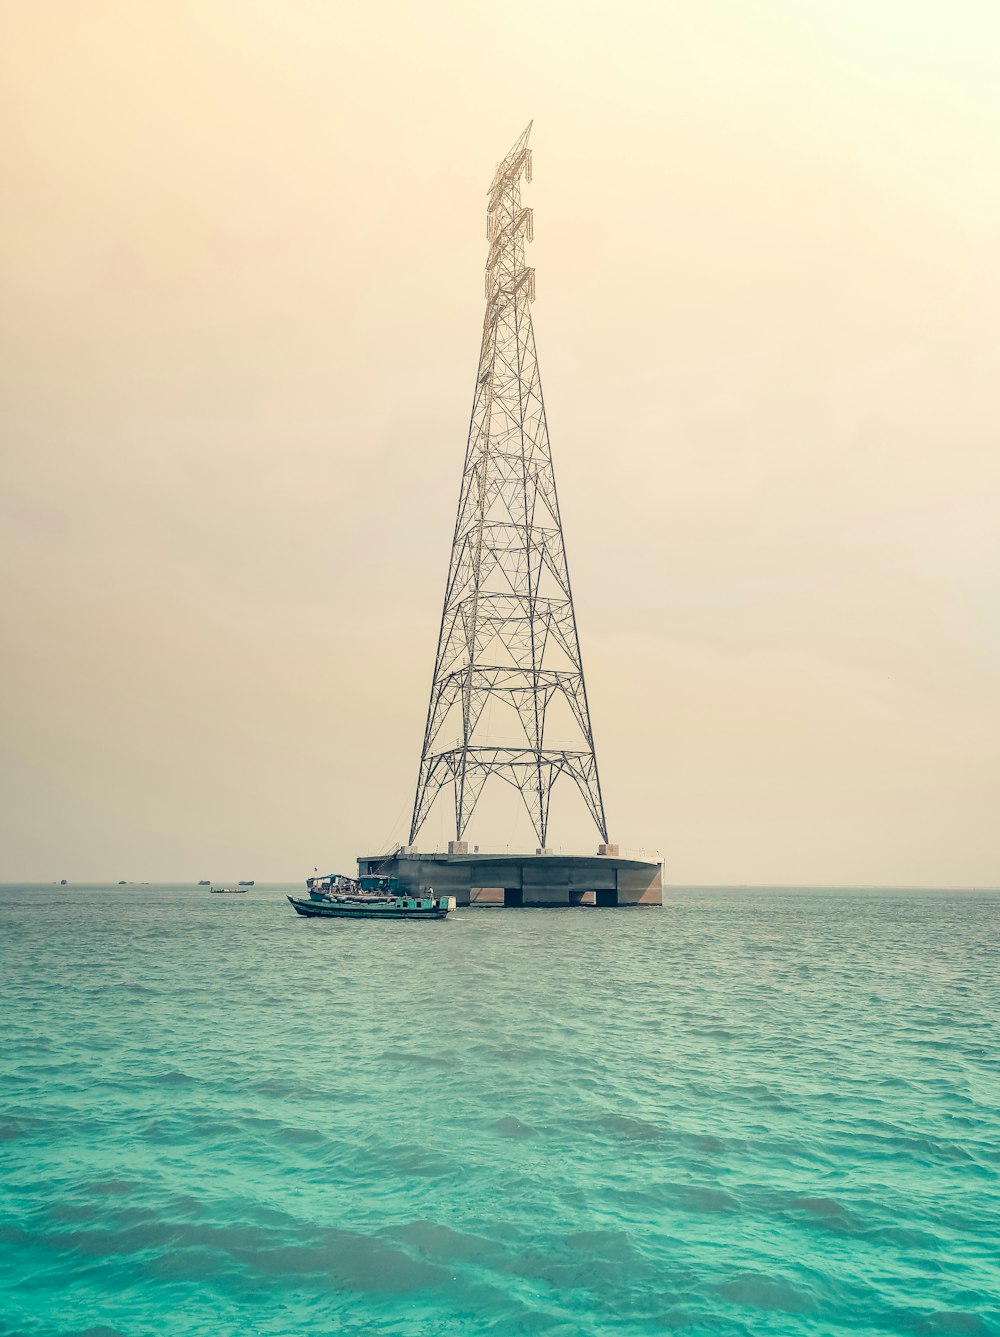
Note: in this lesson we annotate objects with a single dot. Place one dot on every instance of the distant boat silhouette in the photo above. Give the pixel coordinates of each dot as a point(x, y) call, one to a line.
point(246, 884)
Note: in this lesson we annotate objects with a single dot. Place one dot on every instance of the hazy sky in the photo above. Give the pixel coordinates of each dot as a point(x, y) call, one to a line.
point(241, 255)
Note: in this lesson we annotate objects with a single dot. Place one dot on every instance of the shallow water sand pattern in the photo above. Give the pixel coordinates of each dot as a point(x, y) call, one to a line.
point(750, 1112)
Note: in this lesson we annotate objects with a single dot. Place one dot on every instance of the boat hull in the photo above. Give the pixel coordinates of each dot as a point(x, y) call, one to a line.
point(313, 909)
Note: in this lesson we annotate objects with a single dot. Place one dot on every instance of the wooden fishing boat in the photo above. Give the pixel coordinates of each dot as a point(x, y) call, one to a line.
point(334, 896)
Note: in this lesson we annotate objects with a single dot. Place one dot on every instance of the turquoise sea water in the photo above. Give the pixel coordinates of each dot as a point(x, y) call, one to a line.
point(763, 1112)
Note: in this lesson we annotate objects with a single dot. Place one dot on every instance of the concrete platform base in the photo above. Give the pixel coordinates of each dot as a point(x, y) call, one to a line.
point(525, 879)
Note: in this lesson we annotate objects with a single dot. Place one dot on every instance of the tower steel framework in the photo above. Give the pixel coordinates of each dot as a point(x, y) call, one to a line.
point(508, 630)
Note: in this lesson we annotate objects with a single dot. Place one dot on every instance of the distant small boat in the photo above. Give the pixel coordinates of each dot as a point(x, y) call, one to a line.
point(247, 884)
point(204, 882)
point(228, 891)
point(122, 882)
point(334, 896)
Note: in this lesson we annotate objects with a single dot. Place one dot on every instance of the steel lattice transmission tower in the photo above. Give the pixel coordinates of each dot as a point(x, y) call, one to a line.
point(508, 630)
